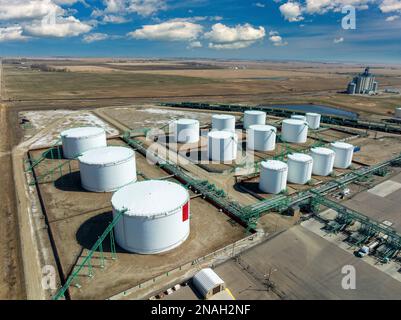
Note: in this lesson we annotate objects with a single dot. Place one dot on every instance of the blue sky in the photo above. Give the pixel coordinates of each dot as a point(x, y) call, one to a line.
point(262, 29)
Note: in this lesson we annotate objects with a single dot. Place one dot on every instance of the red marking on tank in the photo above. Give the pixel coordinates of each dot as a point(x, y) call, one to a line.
point(185, 212)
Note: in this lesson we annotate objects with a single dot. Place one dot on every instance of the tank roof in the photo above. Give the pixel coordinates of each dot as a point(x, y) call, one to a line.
point(81, 132)
point(263, 127)
point(294, 122)
point(313, 114)
point(221, 134)
point(106, 155)
point(342, 145)
point(223, 116)
point(150, 198)
point(324, 151)
point(274, 165)
point(300, 157)
point(187, 121)
point(254, 112)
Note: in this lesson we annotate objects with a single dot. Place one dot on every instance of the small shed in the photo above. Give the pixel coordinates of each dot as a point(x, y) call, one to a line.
point(208, 283)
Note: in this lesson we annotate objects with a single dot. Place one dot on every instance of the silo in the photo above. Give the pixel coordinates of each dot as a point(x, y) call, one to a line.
point(294, 131)
point(313, 120)
point(254, 117)
point(273, 176)
point(156, 216)
point(75, 141)
point(299, 168)
point(187, 131)
point(344, 154)
point(261, 137)
point(107, 169)
point(222, 146)
point(223, 122)
point(298, 117)
point(323, 161)
point(398, 113)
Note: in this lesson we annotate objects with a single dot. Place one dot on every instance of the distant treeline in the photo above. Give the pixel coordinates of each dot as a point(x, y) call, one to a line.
point(46, 68)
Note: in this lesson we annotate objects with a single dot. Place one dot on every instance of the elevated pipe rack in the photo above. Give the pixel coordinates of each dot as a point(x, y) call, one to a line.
point(346, 122)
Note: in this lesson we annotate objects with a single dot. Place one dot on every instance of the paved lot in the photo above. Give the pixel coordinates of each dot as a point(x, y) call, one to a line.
point(304, 266)
point(381, 203)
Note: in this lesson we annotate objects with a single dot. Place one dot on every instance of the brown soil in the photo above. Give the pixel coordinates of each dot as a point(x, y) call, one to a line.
point(11, 274)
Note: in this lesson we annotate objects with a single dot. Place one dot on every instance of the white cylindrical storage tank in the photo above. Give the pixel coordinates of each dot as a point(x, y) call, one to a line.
point(223, 122)
point(344, 154)
point(261, 137)
point(294, 131)
point(187, 131)
point(323, 161)
point(298, 117)
point(273, 176)
point(222, 146)
point(254, 117)
point(299, 168)
point(107, 169)
point(155, 216)
point(398, 113)
point(76, 141)
point(313, 120)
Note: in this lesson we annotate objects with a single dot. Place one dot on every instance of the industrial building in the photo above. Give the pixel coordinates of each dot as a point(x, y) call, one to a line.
point(208, 283)
point(364, 83)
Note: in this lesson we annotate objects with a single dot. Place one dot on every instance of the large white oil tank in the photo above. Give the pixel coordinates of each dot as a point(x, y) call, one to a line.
point(323, 161)
point(344, 154)
point(299, 168)
point(253, 117)
point(222, 146)
point(107, 169)
point(294, 131)
point(313, 120)
point(398, 113)
point(261, 137)
point(298, 117)
point(223, 122)
point(155, 216)
point(187, 131)
point(75, 141)
point(273, 176)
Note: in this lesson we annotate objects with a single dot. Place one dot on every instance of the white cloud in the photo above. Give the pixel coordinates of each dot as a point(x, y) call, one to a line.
point(276, 39)
point(338, 40)
point(291, 11)
point(115, 6)
point(116, 19)
point(146, 7)
point(27, 9)
point(392, 18)
point(260, 5)
point(93, 37)
point(198, 18)
point(63, 27)
point(11, 33)
point(194, 45)
point(229, 46)
point(240, 36)
point(390, 6)
point(169, 31)
point(323, 6)
point(142, 7)
point(66, 2)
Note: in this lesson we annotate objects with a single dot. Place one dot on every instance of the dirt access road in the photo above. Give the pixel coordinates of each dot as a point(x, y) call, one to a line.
point(11, 274)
